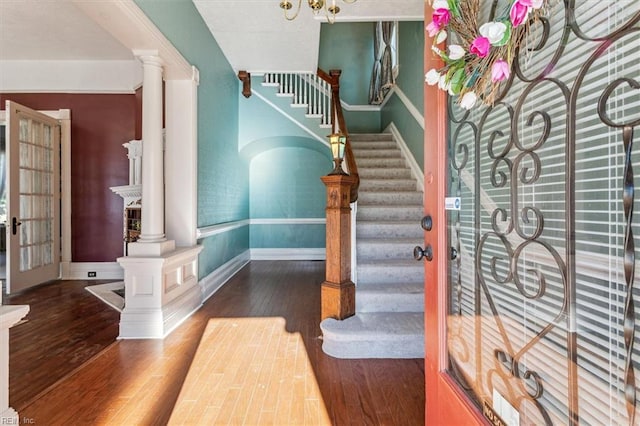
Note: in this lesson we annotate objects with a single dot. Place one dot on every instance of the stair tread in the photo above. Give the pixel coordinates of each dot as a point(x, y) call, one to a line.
point(389, 262)
point(388, 191)
point(404, 288)
point(392, 240)
point(368, 204)
point(382, 325)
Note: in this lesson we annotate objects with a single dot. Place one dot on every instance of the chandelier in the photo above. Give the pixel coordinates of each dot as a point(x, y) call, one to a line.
point(331, 10)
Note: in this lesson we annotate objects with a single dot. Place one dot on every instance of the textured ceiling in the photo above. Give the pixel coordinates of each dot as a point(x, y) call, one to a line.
point(53, 30)
point(253, 34)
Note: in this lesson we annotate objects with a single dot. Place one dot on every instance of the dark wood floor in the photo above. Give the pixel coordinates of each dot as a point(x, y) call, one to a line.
point(66, 326)
point(138, 381)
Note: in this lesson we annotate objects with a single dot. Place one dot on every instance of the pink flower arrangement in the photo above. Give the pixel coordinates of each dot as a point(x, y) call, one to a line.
point(473, 71)
point(439, 19)
point(518, 13)
point(520, 10)
point(500, 70)
point(480, 46)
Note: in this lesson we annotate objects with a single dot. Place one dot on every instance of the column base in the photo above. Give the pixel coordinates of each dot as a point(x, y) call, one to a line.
point(338, 300)
point(160, 293)
point(156, 248)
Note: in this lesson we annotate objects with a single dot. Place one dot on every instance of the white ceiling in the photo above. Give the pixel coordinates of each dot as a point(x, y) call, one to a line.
point(253, 34)
point(53, 30)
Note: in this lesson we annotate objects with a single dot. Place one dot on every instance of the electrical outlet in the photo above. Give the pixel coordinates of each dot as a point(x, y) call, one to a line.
point(91, 274)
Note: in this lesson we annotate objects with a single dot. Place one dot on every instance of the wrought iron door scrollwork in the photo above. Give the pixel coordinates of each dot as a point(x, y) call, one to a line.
point(525, 245)
point(629, 259)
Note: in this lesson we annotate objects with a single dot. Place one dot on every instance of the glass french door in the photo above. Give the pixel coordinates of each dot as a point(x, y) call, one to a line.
point(538, 318)
point(33, 202)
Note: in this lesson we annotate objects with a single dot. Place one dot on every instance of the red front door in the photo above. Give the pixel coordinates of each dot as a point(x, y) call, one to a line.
point(446, 404)
point(531, 288)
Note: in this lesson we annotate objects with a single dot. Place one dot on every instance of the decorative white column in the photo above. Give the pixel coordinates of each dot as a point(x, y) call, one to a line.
point(152, 241)
point(160, 281)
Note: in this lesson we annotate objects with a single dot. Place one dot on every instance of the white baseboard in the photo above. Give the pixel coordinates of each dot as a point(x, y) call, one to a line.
point(216, 279)
point(80, 271)
point(416, 171)
point(288, 254)
point(145, 323)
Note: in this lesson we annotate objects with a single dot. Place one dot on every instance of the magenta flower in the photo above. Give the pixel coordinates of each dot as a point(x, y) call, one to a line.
point(500, 70)
point(536, 4)
point(480, 46)
point(519, 12)
point(441, 17)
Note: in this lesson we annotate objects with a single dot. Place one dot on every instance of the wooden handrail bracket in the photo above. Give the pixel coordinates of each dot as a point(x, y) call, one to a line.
point(245, 78)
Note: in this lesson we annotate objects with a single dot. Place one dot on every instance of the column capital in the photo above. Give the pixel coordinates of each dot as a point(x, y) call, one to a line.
point(148, 57)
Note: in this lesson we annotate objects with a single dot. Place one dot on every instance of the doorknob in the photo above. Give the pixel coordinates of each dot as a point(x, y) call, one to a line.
point(427, 223)
point(14, 225)
point(454, 254)
point(419, 253)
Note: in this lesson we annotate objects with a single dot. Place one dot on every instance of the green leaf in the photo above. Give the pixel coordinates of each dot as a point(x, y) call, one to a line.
point(507, 33)
point(453, 7)
point(457, 80)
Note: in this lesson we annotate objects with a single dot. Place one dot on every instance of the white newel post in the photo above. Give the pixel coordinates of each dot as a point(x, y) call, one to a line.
point(9, 316)
point(161, 282)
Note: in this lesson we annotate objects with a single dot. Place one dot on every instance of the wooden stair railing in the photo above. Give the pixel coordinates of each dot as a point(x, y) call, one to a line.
point(338, 292)
point(338, 122)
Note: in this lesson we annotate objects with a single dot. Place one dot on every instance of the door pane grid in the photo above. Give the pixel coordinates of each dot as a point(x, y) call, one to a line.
point(36, 194)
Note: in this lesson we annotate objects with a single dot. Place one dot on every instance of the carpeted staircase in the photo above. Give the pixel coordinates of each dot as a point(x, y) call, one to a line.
point(389, 320)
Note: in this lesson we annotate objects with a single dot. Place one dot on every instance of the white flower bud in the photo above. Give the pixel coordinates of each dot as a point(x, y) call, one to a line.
point(432, 77)
point(468, 100)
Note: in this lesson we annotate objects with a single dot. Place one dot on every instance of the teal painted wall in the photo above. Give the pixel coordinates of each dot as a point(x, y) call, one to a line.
point(223, 176)
point(285, 184)
point(259, 120)
point(348, 46)
point(288, 236)
point(410, 81)
point(411, 62)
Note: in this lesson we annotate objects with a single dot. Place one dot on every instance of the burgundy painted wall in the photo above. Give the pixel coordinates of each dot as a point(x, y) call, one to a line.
point(100, 124)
